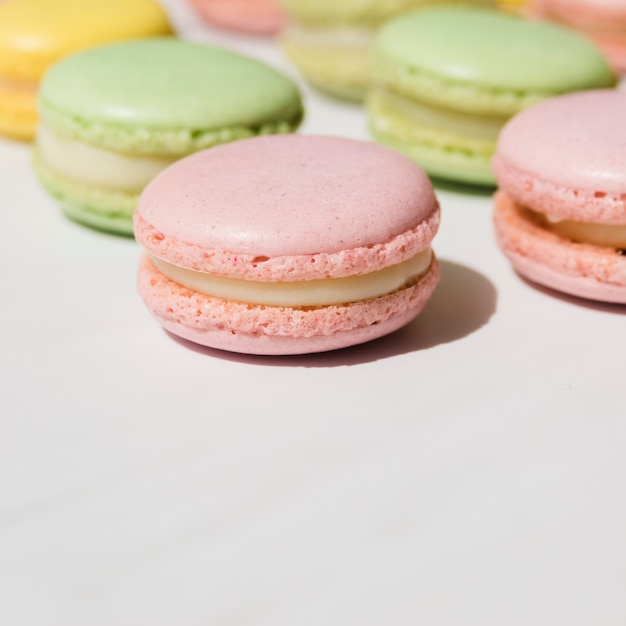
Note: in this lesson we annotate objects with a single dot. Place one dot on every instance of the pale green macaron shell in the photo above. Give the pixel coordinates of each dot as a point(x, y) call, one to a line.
point(468, 69)
point(161, 97)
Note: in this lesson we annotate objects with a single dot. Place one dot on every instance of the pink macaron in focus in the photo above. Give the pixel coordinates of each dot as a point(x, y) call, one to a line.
point(560, 210)
point(604, 21)
point(287, 244)
point(257, 17)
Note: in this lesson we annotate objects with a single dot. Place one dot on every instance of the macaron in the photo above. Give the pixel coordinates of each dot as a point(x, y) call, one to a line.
point(257, 17)
point(34, 34)
point(446, 80)
point(604, 21)
point(329, 41)
point(287, 244)
point(114, 116)
point(560, 211)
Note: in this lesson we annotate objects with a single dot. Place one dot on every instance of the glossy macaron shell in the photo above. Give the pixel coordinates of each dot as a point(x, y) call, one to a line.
point(283, 206)
point(501, 63)
point(185, 95)
point(565, 156)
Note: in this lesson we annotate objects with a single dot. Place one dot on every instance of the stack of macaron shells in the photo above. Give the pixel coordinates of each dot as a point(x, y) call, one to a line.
point(113, 116)
point(604, 21)
point(560, 212)
point(445, 80)
point(259, 17)
point(34, 34)
point(329, 41)
point(336, 254)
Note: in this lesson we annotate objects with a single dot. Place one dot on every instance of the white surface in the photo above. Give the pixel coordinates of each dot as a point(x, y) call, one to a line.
point(468, 470)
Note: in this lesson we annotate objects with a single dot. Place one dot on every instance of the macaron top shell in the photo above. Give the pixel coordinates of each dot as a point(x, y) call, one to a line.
point(162, 84)
point(267, 207)
point(574, 142)
point(489, 50)
point(36, 33)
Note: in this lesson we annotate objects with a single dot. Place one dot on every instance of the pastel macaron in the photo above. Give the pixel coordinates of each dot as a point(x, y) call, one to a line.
point(604, 21)
point(114, 116)
point(257, 17)
point(287, 244)
point(560, 211)
point(329, 41)
point(34, 34)
point(446, 80)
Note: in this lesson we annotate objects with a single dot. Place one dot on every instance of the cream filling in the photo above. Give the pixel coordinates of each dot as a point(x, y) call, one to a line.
point(330, 37)
point(97, 167)
point(605, 235)
point(484, 127)
point(320, 292)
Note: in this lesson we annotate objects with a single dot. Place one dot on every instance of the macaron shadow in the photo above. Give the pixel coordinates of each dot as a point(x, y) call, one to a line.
point(462, 303)
point(594, 305)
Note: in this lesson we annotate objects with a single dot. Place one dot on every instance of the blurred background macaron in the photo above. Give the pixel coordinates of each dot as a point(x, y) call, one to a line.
point(604, 21)
point(560, 211)
point(445, 80)
point(112, 117)
point(513, 6)
point(34, 34)
point(257, 17)
point(328, 40)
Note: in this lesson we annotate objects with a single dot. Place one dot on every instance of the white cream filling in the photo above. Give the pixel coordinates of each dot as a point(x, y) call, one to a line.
point(94, 166)
point(330, 37)
point(484, 127)
point(321, 292)
point(605, 235)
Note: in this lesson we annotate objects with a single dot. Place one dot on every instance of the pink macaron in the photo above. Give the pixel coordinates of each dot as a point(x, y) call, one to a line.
point(259, 17)
point(287, 244)
point(560, 210)
point(604, 21)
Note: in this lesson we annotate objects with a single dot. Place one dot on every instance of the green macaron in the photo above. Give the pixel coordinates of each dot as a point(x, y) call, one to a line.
point(446, 80)
point(114, 116)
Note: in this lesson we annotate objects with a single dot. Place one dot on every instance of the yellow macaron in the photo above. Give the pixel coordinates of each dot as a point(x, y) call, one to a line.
point(36, 33)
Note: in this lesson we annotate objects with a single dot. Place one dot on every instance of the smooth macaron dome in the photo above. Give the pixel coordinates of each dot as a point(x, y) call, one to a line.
point(113, 117)
point(604, 21)
point(446, 80)
point(560, 212)
point(260, 17)
point(34, 34)
point(244, 258)
point(329, 41)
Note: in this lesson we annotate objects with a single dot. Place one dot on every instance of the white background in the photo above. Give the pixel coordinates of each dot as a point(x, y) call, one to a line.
point(468, 470)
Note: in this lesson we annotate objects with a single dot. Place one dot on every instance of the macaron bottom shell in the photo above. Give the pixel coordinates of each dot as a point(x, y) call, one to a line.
point(108, 210)
point(578, 269)
point(265, 330)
